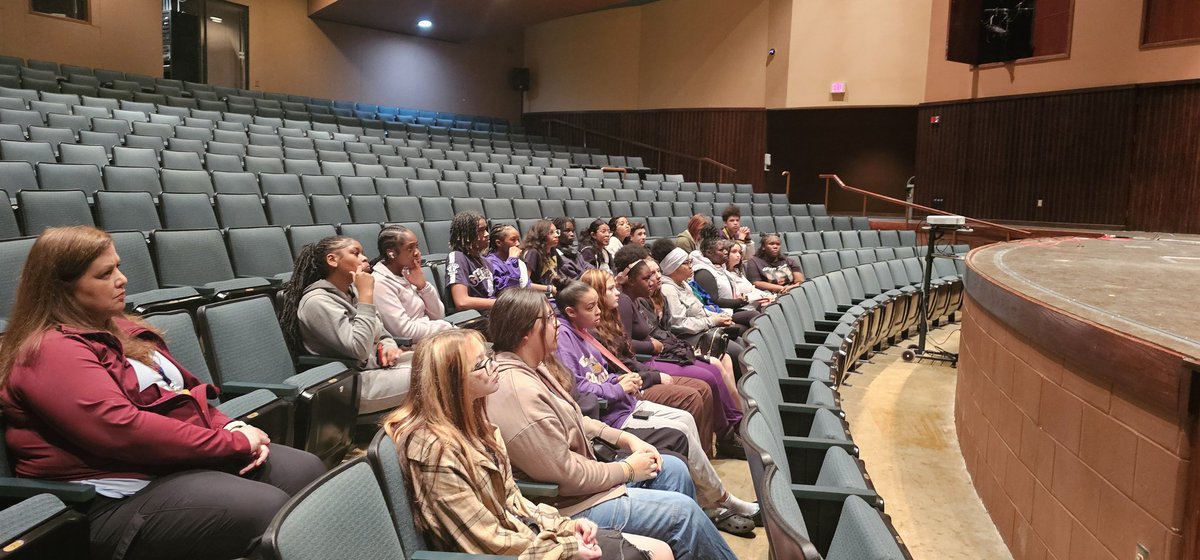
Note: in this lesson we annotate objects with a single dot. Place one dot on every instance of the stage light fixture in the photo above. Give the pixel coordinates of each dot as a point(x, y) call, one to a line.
point(425, 24)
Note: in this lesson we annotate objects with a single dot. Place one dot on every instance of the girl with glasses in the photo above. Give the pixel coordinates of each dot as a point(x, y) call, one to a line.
point(463, 492)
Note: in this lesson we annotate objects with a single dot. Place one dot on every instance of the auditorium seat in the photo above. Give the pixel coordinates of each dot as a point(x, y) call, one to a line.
point(117, 210)
point(301, 235)
point(366, 234)
point(44, 209)
point(261, 252)
point(248, 352)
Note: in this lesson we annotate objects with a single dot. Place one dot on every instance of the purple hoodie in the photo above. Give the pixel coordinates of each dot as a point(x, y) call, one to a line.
point(591, 374)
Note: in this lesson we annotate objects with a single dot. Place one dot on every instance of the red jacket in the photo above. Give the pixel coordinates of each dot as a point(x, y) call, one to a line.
point(75, 412)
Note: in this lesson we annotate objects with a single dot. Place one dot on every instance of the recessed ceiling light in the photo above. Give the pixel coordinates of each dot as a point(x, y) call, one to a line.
point(215, 19)
point(424, 24)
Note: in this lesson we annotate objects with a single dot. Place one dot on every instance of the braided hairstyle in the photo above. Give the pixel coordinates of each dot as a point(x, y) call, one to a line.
point(391, 238)
point(710, 238)
point(310, 267)
point(496, 233)
point(464, 229)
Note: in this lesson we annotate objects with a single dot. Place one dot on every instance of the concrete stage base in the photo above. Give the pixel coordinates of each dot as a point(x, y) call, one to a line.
point(1075, 407)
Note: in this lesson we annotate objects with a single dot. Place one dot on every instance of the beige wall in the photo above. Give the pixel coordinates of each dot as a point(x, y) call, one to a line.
point(877, 48)
point(1104, 52)
point(713, 53)
point(290, 52)
point(123, 35)
point(668, 54)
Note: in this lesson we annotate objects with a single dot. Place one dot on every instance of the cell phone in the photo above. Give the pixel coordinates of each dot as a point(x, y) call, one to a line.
point(642, 414)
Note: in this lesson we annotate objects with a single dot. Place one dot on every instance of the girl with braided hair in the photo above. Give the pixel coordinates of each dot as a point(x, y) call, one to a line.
point(571, 263)
point(329, 310)
point(469, 278)
point(541, 257)
point(504, 258)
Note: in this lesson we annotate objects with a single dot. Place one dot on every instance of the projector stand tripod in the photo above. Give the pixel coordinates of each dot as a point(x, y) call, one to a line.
point(918, 351)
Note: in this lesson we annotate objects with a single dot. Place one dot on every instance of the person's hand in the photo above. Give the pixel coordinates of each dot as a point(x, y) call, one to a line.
point(585, 530)
point(645, 465)
point(724, 320)
point(514, 252)
point(637, 445)
point(259, 446)
point(588, 551)
point(415, 275)
point(658, 346)
point(664, 377)
point(364, 284)
point(388, 355)
point(630, 382)
point(744, 232)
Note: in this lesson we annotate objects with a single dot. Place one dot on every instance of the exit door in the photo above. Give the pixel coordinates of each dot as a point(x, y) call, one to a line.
point(227, 42)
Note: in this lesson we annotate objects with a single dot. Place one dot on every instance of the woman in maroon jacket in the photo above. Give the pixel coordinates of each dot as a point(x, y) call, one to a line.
point(94, 397)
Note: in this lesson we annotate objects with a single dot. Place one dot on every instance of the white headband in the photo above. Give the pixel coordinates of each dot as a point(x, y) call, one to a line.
point(673, 260)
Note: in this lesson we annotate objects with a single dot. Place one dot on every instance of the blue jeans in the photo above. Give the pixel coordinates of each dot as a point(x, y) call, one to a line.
point(664, 508)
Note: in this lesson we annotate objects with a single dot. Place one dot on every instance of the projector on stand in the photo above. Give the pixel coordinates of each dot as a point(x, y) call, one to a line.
point(946, 221)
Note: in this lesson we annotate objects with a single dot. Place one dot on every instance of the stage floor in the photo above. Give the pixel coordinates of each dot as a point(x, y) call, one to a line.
point(1146, 285)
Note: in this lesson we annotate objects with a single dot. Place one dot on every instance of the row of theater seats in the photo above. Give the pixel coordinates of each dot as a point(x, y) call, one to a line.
point(818, 500)
point(82, 80)
point(100, 115)
point(146, 208)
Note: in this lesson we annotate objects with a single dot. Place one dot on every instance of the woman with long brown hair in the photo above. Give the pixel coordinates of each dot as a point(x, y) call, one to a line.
point(658, 384)
point(549, 440)
point(93, 396)
point(462, 483)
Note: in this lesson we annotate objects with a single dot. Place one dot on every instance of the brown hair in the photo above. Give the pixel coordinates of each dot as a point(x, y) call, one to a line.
point(46, 297)
point(610, 329)
point(438, 402)
point(512, 318)
point(697, 223)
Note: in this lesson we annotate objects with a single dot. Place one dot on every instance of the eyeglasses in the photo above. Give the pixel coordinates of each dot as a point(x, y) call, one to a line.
point(549, 318)
point(488, 360)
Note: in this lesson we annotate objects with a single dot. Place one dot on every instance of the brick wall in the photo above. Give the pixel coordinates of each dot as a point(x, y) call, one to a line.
point(1066, 468)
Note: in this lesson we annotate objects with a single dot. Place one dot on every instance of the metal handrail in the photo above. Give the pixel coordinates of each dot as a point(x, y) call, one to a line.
point(621, 142)
point(1008, 231)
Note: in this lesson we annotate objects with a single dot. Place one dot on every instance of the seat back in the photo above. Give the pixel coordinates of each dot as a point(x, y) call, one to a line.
point(192, 257)
point(117, 211)
point(259, 251)
point(342, 514)
point(381, 454)
point(44, 209)
point(13, 253)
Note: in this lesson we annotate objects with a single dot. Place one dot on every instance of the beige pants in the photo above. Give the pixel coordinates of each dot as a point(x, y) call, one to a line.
point(709, 488)
point(385, 388)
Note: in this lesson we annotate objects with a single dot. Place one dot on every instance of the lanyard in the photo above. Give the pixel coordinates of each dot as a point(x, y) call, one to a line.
point(591, 340)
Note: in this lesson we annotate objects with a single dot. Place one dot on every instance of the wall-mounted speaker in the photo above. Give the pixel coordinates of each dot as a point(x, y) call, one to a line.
point(983, 31)
point(519, 79)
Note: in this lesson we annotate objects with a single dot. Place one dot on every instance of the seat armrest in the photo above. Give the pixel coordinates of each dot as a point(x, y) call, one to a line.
point(245, 404)
point(836, 494)
point(310, 361)
point(462, 317)
point(537, 489)
point(317, 375)
point(70, 493)
point(237, 388)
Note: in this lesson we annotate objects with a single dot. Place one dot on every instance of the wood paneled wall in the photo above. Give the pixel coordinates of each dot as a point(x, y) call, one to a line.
point(735, 137)
point(1126, 157)
point(873, 148)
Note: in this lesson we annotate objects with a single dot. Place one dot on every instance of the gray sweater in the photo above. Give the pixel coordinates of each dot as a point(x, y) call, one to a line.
point(334, 324)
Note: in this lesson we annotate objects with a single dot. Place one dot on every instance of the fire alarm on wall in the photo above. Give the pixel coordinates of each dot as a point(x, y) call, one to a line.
point(935, 119)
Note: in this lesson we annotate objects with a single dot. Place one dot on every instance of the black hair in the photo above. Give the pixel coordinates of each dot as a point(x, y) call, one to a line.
point(570, 295)
point(497, 234)
point(662, 248)
point(592, 229)
point(630, 254)
point(710, 237)
point(310, 266)
point(730, 211)
point(612, 226)
point(762, 244)
point(464, 229)
point(391, 238)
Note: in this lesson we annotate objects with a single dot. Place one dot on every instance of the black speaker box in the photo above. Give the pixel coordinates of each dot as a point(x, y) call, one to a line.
point(519, 79)
point(983, 31)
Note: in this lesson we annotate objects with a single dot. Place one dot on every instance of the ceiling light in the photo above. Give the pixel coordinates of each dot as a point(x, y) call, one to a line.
point(215, 19)
point(424, 24)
